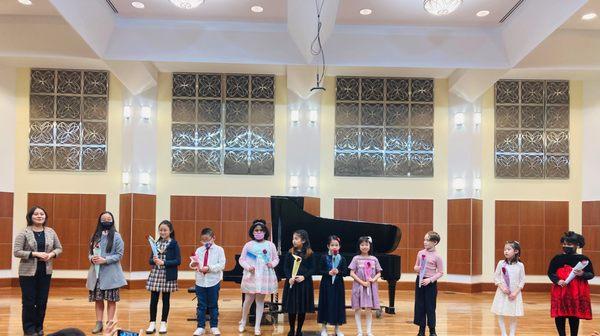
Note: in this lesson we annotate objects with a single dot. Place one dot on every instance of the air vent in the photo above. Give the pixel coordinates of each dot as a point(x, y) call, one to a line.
point(512, 10)
point(112, 6)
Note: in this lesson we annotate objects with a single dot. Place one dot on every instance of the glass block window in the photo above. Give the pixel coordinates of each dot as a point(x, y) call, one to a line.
point(532, 129)
point(68, 112)
point(384, 127)
point(223, 124)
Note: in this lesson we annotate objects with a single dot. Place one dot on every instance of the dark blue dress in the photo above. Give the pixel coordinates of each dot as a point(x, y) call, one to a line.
point(332, 297)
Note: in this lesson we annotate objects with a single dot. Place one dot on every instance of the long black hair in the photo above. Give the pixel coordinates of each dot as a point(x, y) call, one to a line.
point(263, 224)
point(170, 226)
point(364, 239)
point(98, 233)
point(516, 246)
point(29, 215)
point(305, 245)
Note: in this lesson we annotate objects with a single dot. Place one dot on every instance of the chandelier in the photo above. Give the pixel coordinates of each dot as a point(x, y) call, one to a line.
point(187, 4)
point(440, 7)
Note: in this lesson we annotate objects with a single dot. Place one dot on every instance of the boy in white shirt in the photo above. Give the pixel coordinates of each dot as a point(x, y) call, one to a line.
point(209, 262)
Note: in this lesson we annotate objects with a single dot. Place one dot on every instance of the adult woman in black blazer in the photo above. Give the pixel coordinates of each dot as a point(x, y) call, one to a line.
point(163, 276)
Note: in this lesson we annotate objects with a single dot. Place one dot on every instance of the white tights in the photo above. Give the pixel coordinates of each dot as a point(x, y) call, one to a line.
point(260, 307)
point(513, 325)
point(369, 316)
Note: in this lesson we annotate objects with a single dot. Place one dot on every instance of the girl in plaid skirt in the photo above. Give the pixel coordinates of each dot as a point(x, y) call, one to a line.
point(163, 276)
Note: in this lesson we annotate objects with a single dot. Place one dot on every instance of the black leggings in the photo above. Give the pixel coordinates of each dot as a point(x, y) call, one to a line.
point(292, 321)
point(166, 296)
point(573, 324)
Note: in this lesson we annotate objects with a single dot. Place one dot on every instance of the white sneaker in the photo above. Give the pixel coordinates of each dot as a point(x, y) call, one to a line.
point(257, 332)
point(199, 331)
point(339, 333)
point(359, 334)
point(163, 327)
point(151, 328)
point(323, 332)
point(242, 327)
point(215, 331)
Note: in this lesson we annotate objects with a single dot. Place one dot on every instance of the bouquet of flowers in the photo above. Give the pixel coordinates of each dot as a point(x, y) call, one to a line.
point(580, 266)
point(97, 253)
point(153, 246)
point(368, 275)
point(506, 277)
point(422, 264)
point(297, 261)
point(335, 262)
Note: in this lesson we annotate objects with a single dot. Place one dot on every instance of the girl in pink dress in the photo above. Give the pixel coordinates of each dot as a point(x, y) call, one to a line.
point(258, 259)
point(365, 270)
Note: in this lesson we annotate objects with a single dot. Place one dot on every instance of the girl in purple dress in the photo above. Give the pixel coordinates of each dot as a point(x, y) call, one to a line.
point(365, 270)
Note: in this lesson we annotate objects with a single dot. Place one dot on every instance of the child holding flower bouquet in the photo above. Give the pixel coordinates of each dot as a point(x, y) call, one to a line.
point(365, 270)
point(298, 294)
point(332, 301)
point(510, 279)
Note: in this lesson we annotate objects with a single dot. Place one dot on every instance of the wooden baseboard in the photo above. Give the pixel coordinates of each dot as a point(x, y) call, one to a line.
point(405, 286)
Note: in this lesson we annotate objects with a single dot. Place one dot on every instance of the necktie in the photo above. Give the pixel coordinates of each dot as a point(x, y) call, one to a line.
point(206, 257)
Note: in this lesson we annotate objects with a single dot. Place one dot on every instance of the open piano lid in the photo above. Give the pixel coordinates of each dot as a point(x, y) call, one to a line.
point(287, 215)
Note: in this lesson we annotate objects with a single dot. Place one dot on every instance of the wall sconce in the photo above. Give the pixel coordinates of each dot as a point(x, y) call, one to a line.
point(459, 119)
point(146, 112)
point(458, 183)
point(294, 181)
point(145, 178)
point(477, 119)
point(295, 116)
point(312, 182)
point(477, 184)
point(126, 178)
point(313, 116)
point(127, 112)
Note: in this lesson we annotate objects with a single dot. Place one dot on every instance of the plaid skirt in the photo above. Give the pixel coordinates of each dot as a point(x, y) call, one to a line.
point(100, 295)
point(157, 281)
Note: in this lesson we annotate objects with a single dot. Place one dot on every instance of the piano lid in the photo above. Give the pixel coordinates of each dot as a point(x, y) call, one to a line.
point(288, 216)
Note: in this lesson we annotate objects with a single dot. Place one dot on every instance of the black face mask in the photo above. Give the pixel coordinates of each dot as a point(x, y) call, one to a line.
point(106, 225)
point(569, 249)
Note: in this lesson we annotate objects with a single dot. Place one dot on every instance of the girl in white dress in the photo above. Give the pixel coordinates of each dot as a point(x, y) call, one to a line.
point(510, 279)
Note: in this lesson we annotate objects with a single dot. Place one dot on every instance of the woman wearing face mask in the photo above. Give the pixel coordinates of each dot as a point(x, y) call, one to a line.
point(259, 258)
point(105, 276)
point(570, 300)
point(36, 246)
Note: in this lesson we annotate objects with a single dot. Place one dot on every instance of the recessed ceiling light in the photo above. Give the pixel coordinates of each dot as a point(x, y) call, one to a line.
point(138, 5)
point(366, 11)
point(257, 9)
point(589, 16)
point(483, 13)
point(25, 2)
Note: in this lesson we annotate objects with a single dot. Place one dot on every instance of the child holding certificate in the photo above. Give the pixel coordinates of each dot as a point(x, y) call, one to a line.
point(164, 259)
point(510, 279)
point(298, 294)
point(365, 270)
point(570, 293)
point(430, 267)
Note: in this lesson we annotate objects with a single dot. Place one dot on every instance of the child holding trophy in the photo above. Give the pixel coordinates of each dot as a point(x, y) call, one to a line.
point(298, 294)
point(510, 279)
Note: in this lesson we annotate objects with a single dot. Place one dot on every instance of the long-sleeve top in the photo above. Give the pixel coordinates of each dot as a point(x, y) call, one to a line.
point(561, 260)
point(257, 249)
point(307, 267)
point(434, 265)
point(111, 273)
point(215, 263)
point(516, 275)
point(172, 259)
point(25, 244)
point(325, 266)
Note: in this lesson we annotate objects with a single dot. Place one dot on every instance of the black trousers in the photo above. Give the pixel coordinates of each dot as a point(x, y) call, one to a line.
point(34, 297)
point(166, 296)
point(425, 301)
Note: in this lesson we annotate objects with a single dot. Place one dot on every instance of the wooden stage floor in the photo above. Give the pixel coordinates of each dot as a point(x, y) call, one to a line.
point(457, 314)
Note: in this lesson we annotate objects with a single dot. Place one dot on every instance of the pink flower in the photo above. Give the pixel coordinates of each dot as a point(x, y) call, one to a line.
point(503, 270)
point(422, 256)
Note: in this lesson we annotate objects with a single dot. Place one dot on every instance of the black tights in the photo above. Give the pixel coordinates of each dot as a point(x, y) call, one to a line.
point(166, 296)
point(573, 324)
point(292, 321)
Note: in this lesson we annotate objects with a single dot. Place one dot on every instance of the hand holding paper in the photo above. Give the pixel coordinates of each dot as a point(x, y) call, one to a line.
point(297, 261)
point(579, 267)
point(153, 246)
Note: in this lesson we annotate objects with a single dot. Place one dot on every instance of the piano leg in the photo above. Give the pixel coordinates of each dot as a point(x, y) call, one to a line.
point(392, 297)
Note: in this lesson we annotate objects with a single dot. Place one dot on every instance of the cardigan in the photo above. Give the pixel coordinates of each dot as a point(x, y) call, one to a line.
point(172, 260)
point(25, 244)
point(111, 274)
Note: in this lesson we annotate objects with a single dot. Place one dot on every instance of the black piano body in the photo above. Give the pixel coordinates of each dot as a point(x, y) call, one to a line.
point(288, 215)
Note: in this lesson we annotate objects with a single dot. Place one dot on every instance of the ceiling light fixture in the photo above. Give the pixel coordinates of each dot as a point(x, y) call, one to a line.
point(483, 13)
point(589, 16)
point(366, 11)
point(187, 4)
point(25, 2)
point(138, 5)
point(257, 9)
point(441, 7)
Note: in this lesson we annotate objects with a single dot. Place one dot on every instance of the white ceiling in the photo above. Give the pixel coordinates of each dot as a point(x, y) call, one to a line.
point(575, 22)
point(385, 12)
point(39, 7)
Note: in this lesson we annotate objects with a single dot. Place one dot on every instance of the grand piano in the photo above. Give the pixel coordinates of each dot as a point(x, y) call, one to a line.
point(288, 215)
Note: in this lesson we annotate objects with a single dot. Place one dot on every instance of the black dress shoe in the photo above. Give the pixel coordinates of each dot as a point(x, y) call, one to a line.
point(421, 334)
point(290, 333)
point(299, 333)
point(432, 334)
